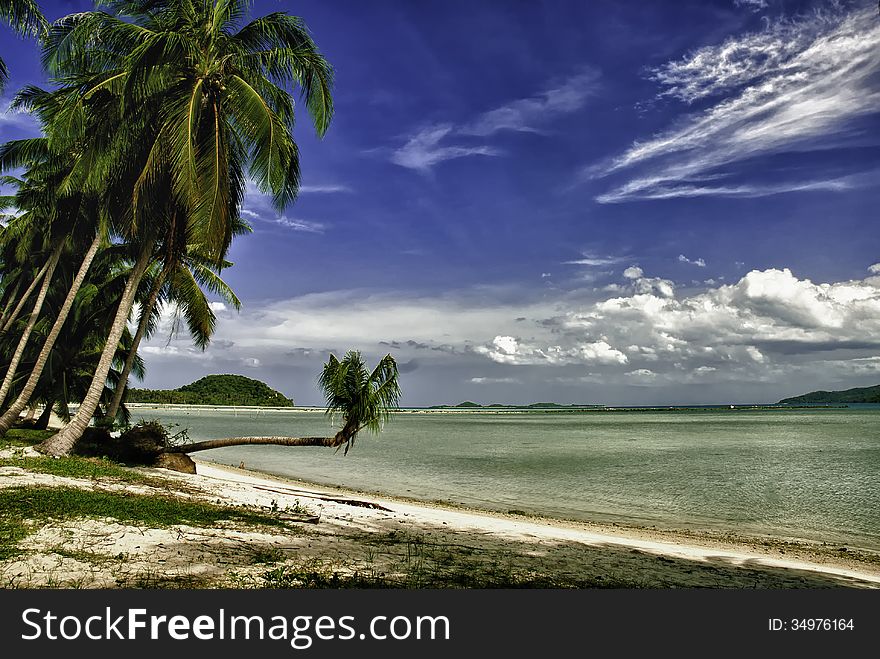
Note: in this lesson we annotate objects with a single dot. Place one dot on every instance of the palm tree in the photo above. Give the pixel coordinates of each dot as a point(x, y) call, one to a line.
point(24, 17)
point(363, 399)
point(71, 363)
point(183, 274)
point(202, 103)
point(71, 217)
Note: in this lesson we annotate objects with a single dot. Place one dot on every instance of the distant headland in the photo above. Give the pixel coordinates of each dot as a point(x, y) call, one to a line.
point(856, 395)
point(215, 390)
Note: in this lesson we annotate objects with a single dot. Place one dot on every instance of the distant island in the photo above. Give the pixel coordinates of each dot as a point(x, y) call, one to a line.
point(857, 395)
point(215, 390)
point(535, 406)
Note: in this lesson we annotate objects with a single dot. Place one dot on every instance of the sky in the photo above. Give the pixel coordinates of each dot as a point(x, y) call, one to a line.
point(595, 202)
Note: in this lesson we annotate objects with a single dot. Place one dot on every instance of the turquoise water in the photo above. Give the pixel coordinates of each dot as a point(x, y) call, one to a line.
point(811, 474)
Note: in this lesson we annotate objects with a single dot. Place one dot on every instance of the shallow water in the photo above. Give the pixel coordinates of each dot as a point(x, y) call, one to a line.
point(794, 473)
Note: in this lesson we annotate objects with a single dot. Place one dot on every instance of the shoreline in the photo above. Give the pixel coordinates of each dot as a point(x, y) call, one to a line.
point(330, 536)
point(729, 546)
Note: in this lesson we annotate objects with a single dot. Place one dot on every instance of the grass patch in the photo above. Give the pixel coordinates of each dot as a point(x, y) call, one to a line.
point(20, 437)
point(88, 468)
point(22, 508)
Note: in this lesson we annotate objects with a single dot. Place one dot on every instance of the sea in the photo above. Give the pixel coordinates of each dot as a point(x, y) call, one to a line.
point(809, 474)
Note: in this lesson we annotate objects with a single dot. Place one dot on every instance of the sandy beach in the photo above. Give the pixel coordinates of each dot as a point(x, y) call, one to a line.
point(332, 536)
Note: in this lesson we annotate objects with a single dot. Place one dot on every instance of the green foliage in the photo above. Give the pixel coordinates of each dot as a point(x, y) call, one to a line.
point(24, 437)
point(215, 390)
point(364, 399)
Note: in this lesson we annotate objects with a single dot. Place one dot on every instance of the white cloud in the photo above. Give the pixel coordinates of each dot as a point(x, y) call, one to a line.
point(440, 142)
point(423, 150)
point(797, 85)
point(306, 226)
point(769, 326)
point(217, 306)
point(494, 381)
point(510, 350)
point(327, 188)
point(874, 269)
point(596, 260)
point(17, 118)
point(700, 263)
point(754, 5)
point(642, 375)
point(528, 114)
point(633, 272)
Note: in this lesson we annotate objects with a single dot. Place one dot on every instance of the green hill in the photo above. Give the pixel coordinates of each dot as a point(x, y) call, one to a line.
point(857, 395)
point(215, 390)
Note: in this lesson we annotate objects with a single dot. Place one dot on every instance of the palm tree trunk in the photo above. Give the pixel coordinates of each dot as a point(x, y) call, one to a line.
point(43, 420)
point(336, 441)
point(62, 442)
point(8, 320)
point(132, 353)
point(11, 298)
point(35, 314)
point(24, 397)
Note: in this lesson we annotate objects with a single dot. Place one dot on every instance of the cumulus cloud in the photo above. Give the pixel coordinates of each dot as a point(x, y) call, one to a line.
point(510, 350)
point(770, 326)
point(799, 84)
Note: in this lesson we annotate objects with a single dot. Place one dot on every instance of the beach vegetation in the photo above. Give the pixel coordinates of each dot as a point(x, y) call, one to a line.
point(361, 399)
point(158, 115)
point(25, 509)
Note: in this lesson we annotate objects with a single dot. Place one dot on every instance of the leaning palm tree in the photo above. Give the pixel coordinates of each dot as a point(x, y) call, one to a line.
point(361, 399)
point(203, 102)
point(24, 17)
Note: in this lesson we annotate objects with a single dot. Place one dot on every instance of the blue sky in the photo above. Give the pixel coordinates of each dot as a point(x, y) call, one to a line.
point(602, 202)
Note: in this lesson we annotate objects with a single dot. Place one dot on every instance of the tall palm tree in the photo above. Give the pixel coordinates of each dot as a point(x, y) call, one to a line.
point(24, 17)
point(208, 102)
point(363, 399)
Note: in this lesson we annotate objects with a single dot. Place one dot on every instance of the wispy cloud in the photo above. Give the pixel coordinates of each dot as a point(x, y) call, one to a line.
point(597, 261)
point(799, 84)
point(301, 225)
point(495, 381)
point(16, 118)
point(754, 5)
point(327, 188)
point(423, 150)
point(700, 263)
point(437, 143)
point(530, 114)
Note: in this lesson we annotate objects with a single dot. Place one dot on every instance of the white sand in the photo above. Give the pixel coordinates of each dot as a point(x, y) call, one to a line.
point(370, 534)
